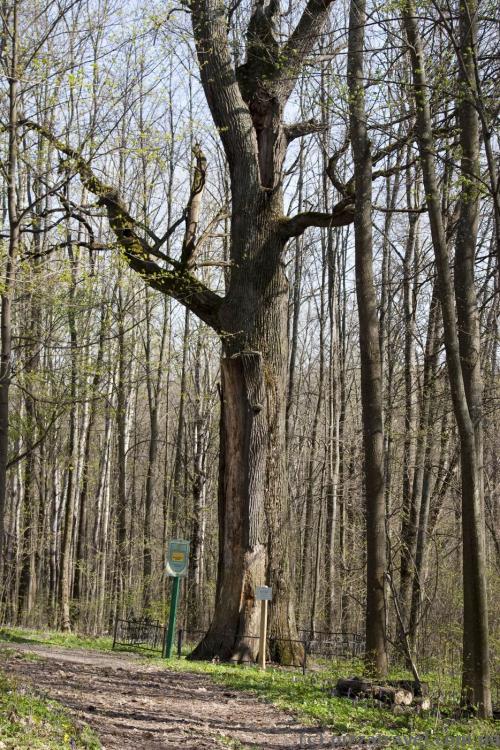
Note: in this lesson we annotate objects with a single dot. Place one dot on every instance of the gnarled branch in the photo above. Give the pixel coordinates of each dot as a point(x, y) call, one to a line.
point(299, 129)
point(178, 282)
point(229, 111)
point(341, 215)
point(193, 208)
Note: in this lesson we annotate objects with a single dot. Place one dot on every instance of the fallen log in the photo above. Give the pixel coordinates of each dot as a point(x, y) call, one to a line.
point(418, 706)
point(422, 702)
point(355, 687)
point(419, 689)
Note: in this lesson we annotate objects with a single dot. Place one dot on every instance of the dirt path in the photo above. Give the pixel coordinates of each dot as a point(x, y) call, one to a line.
point(131, 704)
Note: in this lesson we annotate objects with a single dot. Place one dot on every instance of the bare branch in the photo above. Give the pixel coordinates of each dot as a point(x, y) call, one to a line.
point(229, 111)
point(193, 208)
point(302, 41)
point(340, 216)
point(208, 232)
point(299, 129)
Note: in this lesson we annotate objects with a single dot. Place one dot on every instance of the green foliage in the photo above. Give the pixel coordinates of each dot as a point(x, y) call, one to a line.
point(30, 722)
point(54, 638)
point(310, 698)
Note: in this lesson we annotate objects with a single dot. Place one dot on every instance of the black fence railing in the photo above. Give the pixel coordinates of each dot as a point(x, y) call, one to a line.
point(333, 645)
point(149, 634)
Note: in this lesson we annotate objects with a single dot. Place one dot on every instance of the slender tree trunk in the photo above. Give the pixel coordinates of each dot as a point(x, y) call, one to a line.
point(296, 292)
point(10, 269)
point(153, 384)
point(371, 369)
point(308, 556)
point(201, 428)
point(410, 502)
point(176, 504)
point(121, 428)
point(101, 528)
point(69, 507)
point(476, 676)
point(464, 388)
point(421, 478)
point(333, 434)
point(81, 559)
point(344, 497)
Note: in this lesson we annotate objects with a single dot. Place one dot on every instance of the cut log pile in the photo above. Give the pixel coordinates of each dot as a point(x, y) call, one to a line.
point(403, 696)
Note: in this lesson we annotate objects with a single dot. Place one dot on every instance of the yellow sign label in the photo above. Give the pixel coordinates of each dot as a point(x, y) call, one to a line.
point(177, 557)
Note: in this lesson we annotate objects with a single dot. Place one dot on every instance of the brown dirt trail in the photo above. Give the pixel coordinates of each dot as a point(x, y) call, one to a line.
point(131, 704)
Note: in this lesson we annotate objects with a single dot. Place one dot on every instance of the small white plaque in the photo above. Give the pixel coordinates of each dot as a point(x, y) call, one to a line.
point(264, 593)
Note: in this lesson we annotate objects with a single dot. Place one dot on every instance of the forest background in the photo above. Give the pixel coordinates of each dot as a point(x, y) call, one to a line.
point(114, 398)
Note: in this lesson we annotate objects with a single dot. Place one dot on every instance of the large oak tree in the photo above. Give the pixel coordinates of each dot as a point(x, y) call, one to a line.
point(247, 105)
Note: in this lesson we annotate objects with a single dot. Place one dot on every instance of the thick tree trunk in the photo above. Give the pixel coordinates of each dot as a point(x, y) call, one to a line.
point(254, 510)
point(242, 548)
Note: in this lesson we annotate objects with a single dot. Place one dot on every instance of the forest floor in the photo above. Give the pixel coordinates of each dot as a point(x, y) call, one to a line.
point(74, 688)
point(131, 704)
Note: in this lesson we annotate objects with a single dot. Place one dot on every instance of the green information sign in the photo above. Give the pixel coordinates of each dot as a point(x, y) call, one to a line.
point(177, 568)
point(178, 557)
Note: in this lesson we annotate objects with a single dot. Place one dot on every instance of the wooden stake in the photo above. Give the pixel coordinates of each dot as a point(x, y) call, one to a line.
point(263, 634)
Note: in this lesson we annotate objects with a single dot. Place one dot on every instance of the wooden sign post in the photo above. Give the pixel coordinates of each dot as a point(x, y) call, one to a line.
point(264, 594)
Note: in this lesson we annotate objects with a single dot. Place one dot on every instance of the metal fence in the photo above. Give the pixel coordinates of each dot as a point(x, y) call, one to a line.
point(147, 634)
point(333, 645)
point(150, 635)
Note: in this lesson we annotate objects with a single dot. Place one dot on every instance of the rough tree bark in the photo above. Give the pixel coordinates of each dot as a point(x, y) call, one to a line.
point(69, 503)
point(462, 350)
point(371, 369)
point(10, 264)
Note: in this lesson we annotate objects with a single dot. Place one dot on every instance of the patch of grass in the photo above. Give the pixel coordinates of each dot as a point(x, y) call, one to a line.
point(309, 697)
point(5, 653)
point(55, 638)
point(31, 722)
point(231, 743)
